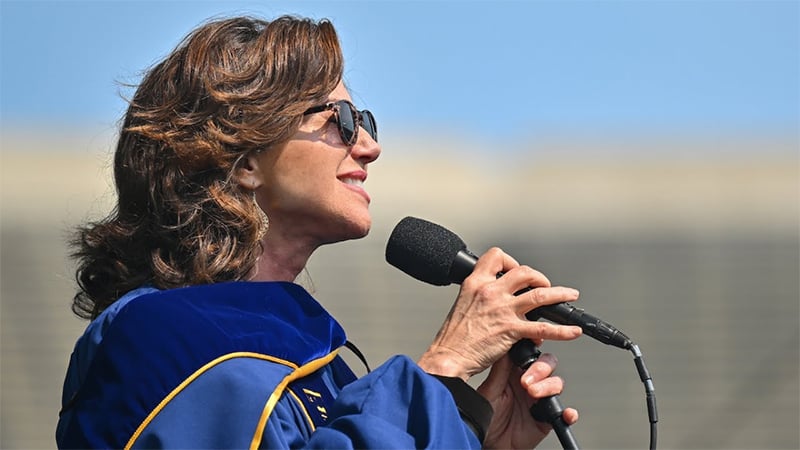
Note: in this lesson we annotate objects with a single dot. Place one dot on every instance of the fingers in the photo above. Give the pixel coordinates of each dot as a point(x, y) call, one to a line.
point(493, 262)
point(538, 331)
point(517, 278)
point(539, 371)
point(535, 298)
point(485, 283)
point(522, 277)
point(570, 416)
point(539, 382)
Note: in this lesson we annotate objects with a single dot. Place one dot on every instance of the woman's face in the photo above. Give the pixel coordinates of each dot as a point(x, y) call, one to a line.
point(313, 185)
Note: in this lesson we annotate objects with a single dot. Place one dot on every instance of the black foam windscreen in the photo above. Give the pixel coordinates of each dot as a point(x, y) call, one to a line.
point(423, 250)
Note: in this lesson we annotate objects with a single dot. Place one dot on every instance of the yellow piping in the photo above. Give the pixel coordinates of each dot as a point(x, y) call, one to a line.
point(300, 372)
point(193, 377)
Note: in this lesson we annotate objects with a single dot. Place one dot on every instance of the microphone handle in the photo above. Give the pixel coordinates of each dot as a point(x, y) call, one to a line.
point(547, 409)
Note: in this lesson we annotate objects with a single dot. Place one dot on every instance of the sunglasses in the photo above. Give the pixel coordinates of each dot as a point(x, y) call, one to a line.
point(349, 120)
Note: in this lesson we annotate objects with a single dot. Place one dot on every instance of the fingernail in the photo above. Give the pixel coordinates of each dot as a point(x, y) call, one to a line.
point(527, 381)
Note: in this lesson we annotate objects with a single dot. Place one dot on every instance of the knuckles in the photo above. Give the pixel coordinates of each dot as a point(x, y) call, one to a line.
point(489, 292)
point(534, 277)
point(537, 297)
point(495, 252)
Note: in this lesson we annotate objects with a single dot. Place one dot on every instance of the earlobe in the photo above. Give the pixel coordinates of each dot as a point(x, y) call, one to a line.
point(248, 173)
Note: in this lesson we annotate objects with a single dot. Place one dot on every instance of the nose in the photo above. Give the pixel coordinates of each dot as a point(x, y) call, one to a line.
point(366, 149)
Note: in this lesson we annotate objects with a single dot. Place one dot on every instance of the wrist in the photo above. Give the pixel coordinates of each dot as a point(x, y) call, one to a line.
point(474, 409)
point(438, 362)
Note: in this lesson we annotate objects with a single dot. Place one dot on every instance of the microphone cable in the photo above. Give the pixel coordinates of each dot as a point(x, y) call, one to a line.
point(549, 409)
point(650, 393)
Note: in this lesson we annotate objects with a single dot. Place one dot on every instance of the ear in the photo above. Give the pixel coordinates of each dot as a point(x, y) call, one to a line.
point(248, 174)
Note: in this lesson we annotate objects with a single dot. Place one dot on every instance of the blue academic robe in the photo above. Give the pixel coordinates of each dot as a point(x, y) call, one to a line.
point(242, 365)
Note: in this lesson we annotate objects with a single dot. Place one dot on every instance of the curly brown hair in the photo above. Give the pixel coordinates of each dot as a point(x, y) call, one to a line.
point(231, 87)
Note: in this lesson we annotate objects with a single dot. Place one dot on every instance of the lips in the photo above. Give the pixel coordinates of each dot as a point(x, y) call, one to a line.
point(355, 182)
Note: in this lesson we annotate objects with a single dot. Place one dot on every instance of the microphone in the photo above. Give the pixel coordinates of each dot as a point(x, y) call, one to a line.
point(435, 255)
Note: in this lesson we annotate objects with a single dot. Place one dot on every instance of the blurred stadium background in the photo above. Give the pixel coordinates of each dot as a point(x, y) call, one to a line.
point(646, 153)
point(688, 245)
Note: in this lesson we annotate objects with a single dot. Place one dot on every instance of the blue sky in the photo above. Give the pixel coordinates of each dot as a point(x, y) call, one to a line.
point(492, 69)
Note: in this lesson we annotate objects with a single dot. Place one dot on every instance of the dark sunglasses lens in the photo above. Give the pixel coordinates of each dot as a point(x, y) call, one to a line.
point(368, 123)
point(347, 123)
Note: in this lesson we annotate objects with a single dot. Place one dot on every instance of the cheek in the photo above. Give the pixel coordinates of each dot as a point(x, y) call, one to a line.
point(301, 185)
point(296, 190)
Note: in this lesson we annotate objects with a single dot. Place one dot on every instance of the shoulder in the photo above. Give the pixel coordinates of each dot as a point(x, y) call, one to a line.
point(280, 319)
point(165, 352)
point(179, 331)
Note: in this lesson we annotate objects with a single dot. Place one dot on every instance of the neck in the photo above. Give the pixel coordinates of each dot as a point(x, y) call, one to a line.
point(283, 258)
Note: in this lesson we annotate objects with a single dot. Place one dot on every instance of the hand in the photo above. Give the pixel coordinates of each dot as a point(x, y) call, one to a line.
point(512, 393)
point(487, 318)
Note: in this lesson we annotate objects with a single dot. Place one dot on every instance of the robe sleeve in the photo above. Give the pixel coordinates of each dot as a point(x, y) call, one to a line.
point(396, 406)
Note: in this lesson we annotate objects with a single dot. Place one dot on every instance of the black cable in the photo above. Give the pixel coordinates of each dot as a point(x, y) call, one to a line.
point(549, 409)
point(352, 347)
point(650, 392)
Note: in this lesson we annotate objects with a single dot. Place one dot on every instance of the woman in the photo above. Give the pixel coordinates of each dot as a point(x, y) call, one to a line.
point(240, 154)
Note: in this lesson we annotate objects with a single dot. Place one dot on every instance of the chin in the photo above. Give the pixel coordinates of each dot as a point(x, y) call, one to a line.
point(361, 229)
point(360, 222)
point(354, 228)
